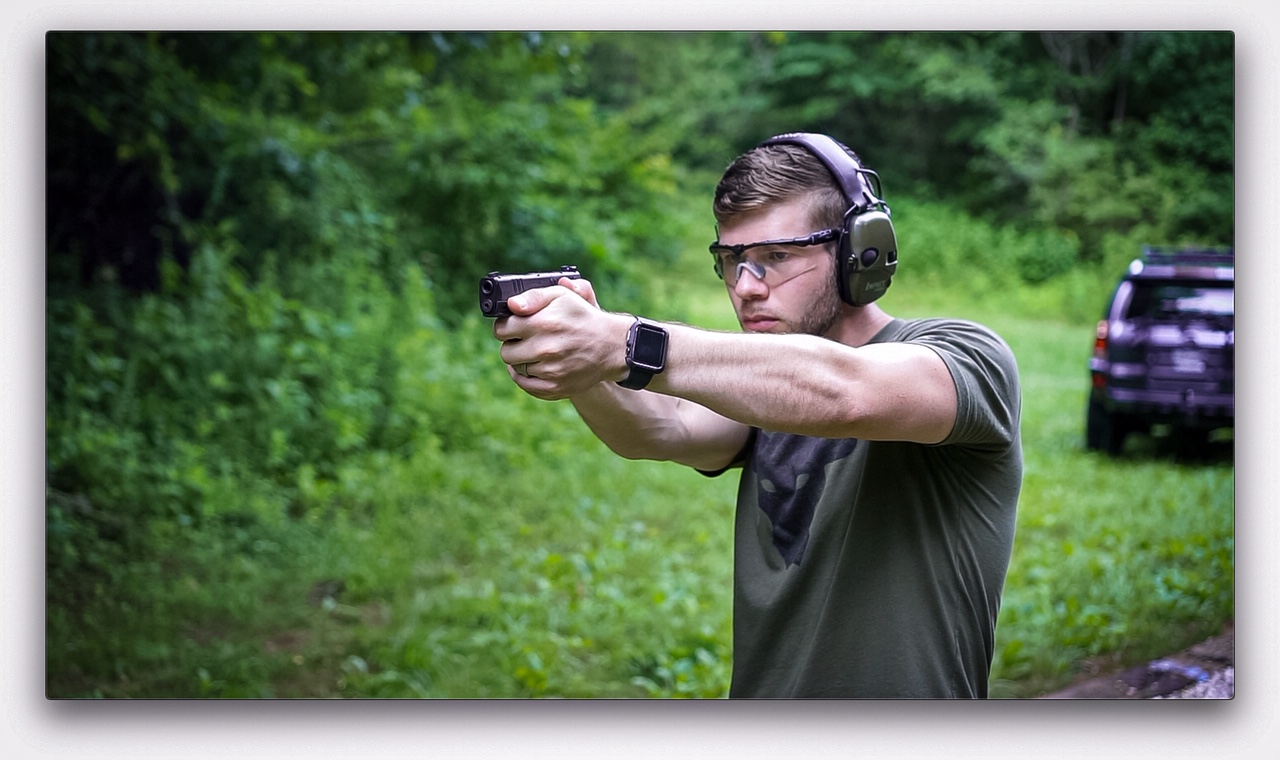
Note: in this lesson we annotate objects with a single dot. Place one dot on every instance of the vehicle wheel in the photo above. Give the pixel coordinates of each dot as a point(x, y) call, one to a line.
point(1105, 431)
point(1191, 443)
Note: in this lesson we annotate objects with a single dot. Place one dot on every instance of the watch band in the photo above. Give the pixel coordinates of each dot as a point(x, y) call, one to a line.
point(637, 379)
point(646, 353)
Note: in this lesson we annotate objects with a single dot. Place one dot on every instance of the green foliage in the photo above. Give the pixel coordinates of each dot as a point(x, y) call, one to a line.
point(695, 95)
point(1088, 134)
point(458, 153)
point(944, 245)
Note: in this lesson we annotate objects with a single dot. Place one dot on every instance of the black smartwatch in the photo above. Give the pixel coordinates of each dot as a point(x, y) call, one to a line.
point(646, 353)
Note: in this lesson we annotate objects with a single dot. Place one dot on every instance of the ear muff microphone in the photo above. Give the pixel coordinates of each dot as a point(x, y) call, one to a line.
point(867, 247)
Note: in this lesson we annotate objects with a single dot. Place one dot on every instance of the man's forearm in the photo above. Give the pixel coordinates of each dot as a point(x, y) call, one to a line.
point(645, 425)
point(634, 424)
point(811, 386)
point(717, 386)
point(782, 383)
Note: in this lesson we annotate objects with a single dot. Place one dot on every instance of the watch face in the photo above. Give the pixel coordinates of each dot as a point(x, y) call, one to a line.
point(650, 349)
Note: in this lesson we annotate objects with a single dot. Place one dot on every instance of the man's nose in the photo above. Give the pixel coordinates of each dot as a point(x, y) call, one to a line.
point(750, 286)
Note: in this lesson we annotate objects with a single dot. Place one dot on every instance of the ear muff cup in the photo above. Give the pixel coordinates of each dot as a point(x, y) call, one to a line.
point(867, 255)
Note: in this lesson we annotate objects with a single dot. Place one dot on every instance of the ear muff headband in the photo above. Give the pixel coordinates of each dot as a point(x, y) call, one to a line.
point(847, 172)
point(868, 247)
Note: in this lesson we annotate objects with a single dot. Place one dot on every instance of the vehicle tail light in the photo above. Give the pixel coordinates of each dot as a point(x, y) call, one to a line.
point(1100, 352)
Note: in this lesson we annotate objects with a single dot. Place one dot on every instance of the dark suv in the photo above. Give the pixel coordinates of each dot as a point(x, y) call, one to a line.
point(1164, 352)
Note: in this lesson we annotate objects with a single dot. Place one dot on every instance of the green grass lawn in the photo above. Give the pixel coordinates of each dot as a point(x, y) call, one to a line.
point(520, 558)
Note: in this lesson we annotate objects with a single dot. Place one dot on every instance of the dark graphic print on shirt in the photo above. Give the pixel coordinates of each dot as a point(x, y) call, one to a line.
point(790, 477)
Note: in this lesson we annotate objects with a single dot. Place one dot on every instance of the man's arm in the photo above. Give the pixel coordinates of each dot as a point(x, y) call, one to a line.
point(718, 385)
point(643, 425)
point(813, 386)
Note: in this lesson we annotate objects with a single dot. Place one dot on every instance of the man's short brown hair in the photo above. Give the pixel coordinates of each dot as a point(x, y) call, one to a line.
point(771, 174)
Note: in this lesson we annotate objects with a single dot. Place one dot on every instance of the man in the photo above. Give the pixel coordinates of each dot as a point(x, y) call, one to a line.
point(881, 458)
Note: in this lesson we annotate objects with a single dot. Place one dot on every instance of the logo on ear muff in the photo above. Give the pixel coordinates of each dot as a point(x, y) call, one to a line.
point(867, 248)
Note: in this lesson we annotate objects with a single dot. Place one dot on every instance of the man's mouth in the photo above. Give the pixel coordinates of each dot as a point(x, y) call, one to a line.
point(758, 322)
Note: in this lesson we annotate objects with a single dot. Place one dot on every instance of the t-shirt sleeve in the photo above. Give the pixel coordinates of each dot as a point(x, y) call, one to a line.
point(988, 391)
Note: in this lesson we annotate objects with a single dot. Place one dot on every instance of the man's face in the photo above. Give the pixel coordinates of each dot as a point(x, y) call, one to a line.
point(797, 293)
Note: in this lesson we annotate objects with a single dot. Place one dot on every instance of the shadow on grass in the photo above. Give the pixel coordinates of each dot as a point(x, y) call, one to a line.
point(1162, 443)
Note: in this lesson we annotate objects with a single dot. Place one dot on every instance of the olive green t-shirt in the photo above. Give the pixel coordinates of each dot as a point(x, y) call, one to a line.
point(875, 568)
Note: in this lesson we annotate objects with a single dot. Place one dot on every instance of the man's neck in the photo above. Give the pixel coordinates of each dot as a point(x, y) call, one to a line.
point(859, 324)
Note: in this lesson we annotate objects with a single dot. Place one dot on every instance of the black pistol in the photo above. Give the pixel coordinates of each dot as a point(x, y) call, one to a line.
point(496, 288)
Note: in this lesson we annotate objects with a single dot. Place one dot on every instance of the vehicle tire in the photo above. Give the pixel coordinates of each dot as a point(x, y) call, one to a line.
point(1191, 443)
point(1105, 431)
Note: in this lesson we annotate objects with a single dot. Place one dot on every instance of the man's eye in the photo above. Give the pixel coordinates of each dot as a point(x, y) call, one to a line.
point(777, 256)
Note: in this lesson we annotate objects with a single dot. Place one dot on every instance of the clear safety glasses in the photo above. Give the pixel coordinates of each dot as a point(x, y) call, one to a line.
point(771, 261)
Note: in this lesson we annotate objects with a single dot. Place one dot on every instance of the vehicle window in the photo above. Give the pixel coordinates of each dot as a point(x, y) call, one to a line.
point(1170, 299)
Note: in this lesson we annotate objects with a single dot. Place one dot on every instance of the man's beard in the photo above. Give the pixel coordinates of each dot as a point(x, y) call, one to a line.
point(822, 315)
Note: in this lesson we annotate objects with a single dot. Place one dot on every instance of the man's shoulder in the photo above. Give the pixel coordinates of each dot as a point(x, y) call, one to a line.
point(957, 340)
point(903, 330)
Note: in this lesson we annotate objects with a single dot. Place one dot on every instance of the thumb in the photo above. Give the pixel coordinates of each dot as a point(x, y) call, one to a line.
point(583, 288)
point(534, 301)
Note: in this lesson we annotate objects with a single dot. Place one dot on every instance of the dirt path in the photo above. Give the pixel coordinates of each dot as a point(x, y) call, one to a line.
point(1203, 671)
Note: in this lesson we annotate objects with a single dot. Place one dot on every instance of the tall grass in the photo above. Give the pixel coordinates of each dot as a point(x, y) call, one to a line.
point(505, 552)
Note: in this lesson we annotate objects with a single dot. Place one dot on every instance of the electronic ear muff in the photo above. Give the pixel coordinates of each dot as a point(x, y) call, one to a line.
point(867, 246)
